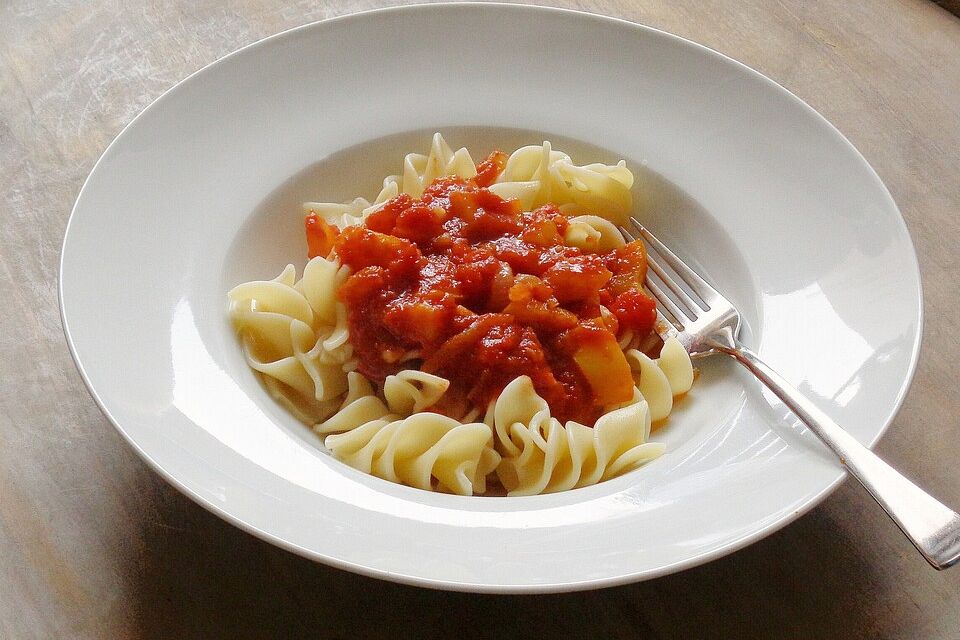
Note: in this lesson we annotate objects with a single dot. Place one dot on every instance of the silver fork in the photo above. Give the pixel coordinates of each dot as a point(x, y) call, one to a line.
point(712, 326)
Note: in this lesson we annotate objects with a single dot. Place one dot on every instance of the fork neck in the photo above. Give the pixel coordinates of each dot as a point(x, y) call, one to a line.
point(722, 340)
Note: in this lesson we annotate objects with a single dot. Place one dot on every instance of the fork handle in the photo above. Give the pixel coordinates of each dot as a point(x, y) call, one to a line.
point(931, 526)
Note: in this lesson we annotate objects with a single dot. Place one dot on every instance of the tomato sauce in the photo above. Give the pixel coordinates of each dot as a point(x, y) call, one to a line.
point(483, 292)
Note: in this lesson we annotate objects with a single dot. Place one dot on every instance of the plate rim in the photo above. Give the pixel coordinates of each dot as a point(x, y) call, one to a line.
point(505, 588)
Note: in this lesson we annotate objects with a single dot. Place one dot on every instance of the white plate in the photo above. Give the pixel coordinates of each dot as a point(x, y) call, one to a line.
point(201, 192)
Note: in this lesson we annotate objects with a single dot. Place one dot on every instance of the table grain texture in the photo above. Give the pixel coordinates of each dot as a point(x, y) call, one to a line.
point(93, 544)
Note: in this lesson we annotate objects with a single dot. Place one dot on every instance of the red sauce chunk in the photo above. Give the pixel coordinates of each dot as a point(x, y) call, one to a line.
point(480, 292)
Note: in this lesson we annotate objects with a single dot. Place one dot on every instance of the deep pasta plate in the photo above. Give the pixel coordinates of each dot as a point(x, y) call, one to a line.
point(204, 189)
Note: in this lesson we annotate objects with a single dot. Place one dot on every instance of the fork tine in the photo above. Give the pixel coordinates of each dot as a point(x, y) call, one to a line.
point(665, 327)
point(665, 300)
point(697, 284)
point(691, 304)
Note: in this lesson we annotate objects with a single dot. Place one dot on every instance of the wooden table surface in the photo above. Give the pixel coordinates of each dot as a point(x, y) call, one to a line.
point(95, 545)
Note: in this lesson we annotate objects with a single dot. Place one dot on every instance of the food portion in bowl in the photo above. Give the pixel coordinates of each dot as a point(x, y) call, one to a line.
point(476, 326)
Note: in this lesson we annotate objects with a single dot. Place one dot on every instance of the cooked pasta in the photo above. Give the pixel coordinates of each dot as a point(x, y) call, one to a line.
point(660, 380)
point(354, 212)
point(421, 170)
point(473, 323)
point(294, 336)
point(537, 175)
point(593, 234)
point(422, 450)
point(541, 455)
